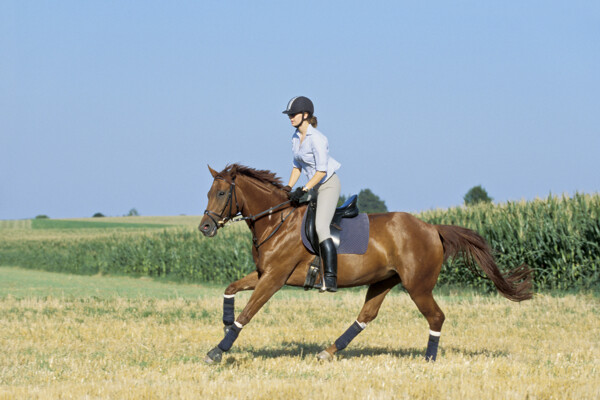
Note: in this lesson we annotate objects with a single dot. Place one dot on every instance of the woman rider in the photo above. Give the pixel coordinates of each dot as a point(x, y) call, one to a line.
point(311, 156)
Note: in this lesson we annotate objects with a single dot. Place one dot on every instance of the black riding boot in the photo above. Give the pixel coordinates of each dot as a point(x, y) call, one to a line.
point(329, 257)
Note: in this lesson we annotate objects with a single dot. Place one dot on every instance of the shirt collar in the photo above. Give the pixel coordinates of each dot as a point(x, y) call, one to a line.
point(309, 131)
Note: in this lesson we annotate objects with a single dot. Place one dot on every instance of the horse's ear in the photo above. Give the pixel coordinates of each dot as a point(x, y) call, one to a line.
point(213, 172)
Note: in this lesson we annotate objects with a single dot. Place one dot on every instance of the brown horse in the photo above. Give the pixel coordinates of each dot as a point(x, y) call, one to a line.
point(401, 249)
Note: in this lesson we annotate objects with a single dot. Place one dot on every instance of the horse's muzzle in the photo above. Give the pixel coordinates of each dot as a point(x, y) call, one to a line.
point(208, 228)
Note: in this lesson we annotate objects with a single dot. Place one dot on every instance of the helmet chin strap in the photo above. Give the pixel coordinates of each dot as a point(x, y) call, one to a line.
point(303, 119)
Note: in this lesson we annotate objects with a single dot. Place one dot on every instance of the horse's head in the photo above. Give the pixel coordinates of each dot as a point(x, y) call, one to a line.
point(262, 190)
point(222, 203)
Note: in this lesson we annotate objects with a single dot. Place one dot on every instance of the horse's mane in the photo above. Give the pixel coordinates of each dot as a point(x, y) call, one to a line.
point(265, 176)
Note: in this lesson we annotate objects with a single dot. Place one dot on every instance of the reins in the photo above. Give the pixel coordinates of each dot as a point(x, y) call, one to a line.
point(255, 239)
point(258, 216)
point(237, 217)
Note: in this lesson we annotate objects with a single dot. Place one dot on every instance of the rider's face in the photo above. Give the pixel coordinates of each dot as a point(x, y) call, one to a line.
point(296, 119)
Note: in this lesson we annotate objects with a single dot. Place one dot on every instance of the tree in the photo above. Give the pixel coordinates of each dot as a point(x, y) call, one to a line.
point(98, 215)
point(133, 213)
point(369, 202)
point(342, 200)
point(475, 195)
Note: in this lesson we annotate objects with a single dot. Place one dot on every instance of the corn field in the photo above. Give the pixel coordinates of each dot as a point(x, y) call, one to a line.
point(182, 254)
point(559, 237)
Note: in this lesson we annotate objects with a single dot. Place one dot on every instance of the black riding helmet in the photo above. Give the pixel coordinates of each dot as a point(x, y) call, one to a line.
point(299, 104)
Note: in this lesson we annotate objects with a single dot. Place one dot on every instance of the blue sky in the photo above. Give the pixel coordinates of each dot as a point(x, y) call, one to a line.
point(111, 105)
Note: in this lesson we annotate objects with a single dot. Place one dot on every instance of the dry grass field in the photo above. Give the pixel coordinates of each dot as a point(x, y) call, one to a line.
point(65, 336)
point(21, 230)
point(15, 224)
point(180, 220)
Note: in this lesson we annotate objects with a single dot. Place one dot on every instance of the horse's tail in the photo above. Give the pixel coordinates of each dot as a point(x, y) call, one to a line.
point(515, 285)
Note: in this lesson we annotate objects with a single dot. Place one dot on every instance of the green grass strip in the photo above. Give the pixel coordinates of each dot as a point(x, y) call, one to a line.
point(26, 283)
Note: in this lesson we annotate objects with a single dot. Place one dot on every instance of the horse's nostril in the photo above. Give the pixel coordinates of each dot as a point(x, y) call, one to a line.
point(206, 228)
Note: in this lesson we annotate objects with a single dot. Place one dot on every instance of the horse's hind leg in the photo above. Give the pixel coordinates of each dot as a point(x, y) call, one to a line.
point(435, 318)
point(246, 283)
point(375, 295)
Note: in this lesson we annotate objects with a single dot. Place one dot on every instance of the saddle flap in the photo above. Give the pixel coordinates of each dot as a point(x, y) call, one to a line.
point(310, 230)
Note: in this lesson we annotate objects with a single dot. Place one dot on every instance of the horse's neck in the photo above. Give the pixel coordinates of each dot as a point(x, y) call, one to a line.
point(259, 196)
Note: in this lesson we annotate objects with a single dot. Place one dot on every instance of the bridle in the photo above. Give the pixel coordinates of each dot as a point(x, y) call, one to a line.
point(223, 220)
point(237, 217)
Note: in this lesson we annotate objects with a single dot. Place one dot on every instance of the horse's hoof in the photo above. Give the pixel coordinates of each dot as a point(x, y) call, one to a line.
point(324, 356)
point(209, 361)
point(214, 356)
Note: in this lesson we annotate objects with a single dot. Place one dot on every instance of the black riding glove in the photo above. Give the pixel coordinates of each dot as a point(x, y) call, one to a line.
point(296, 195)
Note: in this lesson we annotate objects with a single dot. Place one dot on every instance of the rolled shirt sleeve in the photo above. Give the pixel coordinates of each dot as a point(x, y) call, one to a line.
point(296, 164)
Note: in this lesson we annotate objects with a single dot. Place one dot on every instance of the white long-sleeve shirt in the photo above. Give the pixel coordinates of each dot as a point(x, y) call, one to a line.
point(313, 154)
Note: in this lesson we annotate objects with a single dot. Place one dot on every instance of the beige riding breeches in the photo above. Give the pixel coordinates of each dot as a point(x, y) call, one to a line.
point(327, 199)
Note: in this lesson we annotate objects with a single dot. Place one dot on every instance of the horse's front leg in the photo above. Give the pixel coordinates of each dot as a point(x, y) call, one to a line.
point(246, 283)
point(267, 285)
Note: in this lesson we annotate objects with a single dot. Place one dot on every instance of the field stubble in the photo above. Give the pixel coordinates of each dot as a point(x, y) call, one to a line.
point(135, 345)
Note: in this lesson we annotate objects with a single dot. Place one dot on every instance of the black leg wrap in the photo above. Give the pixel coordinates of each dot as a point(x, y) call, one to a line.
point(229, 338)
point(228, 311)
point(432, 348)
point(348, 336)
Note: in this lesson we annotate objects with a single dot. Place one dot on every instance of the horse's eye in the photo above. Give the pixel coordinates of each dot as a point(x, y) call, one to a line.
point(221, 193)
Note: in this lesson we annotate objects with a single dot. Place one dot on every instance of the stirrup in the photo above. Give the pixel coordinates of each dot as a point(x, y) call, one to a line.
point(330, 290)
point(325, 288)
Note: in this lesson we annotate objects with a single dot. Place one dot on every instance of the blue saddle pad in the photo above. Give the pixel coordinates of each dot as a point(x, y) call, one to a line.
point(354, 237)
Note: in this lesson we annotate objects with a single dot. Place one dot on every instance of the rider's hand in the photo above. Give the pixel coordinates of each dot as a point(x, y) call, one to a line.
point(296, 194)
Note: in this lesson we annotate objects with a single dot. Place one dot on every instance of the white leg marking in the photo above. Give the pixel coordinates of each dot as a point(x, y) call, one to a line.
point(433, 333)
point(229, 296)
